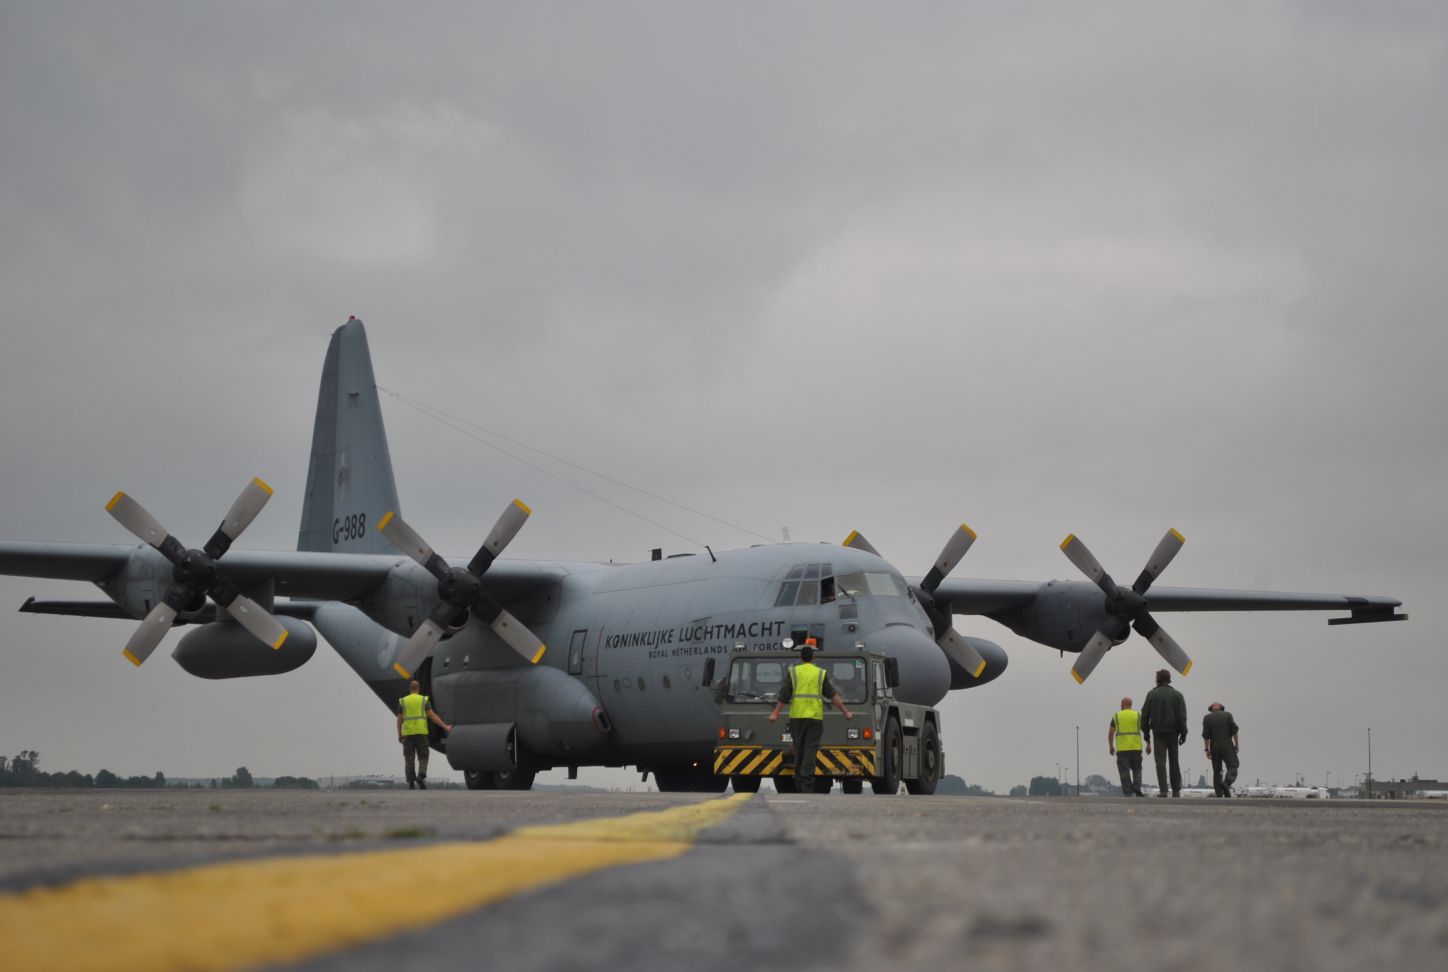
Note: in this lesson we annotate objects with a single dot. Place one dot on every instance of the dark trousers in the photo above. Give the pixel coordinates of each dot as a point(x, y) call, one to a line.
point(1165, 744)
point(806, 735)
point(415, 748)
point(1128, 764)
point(1223, 757)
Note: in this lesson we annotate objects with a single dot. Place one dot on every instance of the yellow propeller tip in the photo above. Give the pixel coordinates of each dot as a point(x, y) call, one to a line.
point(523, 506)
point(967, 529)
point(120, 495)
point(386, 519)
point(278, 643)
point(130, 657)
point(1180, 538)
point(1080, 680)
point(1188, 669)
point(401, 671)
point(848, 540)
point(539, 654)
point(980, 668)
point(262, 483)
point(1070, 538)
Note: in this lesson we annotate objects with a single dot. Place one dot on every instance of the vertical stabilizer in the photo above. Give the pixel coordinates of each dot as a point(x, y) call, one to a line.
point(349, 480)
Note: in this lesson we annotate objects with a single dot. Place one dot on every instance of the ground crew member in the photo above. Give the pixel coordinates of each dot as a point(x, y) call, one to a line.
point(414, 712)
point(1123, 740)
point(1219, 741)
point(806, 690)
point(1164, 725)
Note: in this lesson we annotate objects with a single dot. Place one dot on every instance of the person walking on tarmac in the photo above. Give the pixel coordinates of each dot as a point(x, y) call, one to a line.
point(1219, 740)
point(1164, 724)
point(806, 690)
point(414, 712)
point(1123, 740)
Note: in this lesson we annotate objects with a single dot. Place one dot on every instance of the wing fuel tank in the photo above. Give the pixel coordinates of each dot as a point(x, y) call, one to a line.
point(224, 649)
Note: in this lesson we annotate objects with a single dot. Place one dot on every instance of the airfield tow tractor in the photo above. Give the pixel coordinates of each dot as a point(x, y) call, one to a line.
point(888, 741)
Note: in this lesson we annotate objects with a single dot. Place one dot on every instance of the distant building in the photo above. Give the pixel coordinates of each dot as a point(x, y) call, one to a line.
point(1410, 789)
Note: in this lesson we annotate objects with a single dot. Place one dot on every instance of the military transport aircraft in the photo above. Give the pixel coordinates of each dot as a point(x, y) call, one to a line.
point(549, 664)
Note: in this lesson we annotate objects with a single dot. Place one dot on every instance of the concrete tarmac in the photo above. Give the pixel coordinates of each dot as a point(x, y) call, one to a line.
point(832, 882)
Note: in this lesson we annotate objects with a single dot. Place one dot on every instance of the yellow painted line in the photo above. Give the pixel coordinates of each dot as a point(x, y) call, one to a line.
point(263, 485)
point(386, 519)
point(114, 500)
point(130, 657)
point(288, 909)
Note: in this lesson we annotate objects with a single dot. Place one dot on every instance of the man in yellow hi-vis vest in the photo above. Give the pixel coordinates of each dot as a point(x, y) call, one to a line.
point(414, 712)
point(806, 690)
point(1123, 739)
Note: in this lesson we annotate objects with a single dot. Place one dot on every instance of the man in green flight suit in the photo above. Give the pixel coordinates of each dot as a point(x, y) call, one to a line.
point(414, 712)
point(806, 690)
point(1219, 740)
point(1164, 725)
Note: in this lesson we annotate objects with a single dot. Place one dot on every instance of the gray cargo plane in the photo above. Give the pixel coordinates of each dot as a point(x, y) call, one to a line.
point(634, 647)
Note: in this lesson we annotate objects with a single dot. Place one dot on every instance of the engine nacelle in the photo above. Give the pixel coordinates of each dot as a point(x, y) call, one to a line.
point(995, 663)
point(1064, 615)
point(224, 649)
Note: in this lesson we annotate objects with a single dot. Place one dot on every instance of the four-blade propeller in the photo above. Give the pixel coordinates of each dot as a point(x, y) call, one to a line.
point(1126, 608)
point(461, 590)
point(195, 575)
point(957, 648)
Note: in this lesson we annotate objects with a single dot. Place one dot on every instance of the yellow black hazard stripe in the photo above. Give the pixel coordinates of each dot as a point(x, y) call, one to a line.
point(769, 761)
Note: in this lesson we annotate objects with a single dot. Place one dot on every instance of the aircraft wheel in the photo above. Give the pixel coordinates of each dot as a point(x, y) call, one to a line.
point(520, 777)
point(746, 784)
point(889, 781)
point(853, 786)
point(785, 784)
point(930, 763)
point(822, 784)
point(480, 780)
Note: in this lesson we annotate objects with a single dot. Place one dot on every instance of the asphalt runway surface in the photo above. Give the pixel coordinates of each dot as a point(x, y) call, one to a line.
point(399, 879)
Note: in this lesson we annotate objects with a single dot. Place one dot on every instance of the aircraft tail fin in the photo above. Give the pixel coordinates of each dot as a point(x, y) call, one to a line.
point(349, 479)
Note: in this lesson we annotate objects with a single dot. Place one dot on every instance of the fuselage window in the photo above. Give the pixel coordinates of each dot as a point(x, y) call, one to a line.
point(806, 585)
point(873, 583)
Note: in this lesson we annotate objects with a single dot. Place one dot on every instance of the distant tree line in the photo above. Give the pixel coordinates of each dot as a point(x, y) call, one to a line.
point(23, 769)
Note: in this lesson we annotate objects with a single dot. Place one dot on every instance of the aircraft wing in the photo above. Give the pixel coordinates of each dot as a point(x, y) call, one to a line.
point(296, 574)
point(989, 597)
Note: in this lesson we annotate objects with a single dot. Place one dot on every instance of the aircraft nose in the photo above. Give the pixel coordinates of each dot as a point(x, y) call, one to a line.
point(924, 669)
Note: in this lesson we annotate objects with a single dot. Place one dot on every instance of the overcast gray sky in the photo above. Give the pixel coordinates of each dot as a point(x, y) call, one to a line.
point(1042, 268)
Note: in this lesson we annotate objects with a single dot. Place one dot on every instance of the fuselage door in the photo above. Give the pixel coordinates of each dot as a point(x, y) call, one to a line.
point(575, 651)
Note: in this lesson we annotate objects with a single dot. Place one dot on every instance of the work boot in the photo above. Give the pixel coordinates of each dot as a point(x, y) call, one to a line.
point(1176, 794)
point(1137, 792)
point(421, 784)
point(411, 785)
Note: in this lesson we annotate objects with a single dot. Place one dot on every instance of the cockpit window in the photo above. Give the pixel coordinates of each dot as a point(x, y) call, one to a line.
point(807, 584)
point(876, 583)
